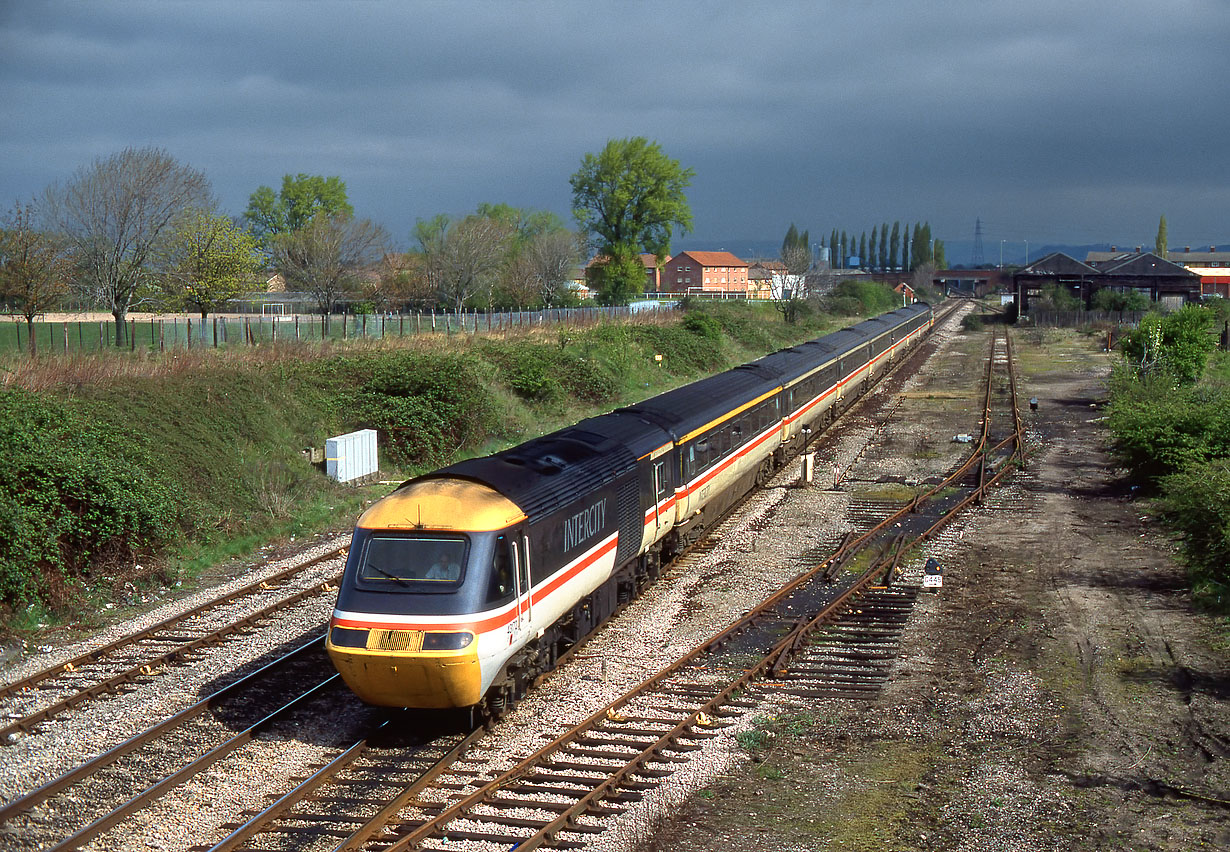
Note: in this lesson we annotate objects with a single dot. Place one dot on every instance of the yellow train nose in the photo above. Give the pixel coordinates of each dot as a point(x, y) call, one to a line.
point(407, 668)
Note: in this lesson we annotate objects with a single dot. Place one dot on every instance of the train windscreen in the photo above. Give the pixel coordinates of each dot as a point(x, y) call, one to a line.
point(412, 561)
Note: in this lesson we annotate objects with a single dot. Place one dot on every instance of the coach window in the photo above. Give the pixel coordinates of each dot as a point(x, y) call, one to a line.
point(659, 478)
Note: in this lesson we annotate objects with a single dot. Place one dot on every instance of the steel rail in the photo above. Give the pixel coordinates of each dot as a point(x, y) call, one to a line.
point(95, 655)
point(218, 752)
point(111, 685)
point(665, 742)
point(110, 756)
point(261, 820)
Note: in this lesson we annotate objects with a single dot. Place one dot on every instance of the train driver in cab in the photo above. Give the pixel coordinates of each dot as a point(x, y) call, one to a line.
point(443, 568)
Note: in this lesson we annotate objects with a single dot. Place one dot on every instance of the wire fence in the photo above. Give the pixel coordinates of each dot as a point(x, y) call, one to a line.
point(1078, 319)
point(184, 332)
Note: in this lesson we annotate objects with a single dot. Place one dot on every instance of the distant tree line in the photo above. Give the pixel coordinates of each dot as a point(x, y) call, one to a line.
point(138, 229)
point(886, 250)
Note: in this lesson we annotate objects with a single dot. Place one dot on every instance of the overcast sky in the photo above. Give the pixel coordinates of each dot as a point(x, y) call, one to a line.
point(1053, 122)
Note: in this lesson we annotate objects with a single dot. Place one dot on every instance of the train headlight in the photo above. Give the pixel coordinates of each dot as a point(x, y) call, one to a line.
point(446, 641)
point(346, 637)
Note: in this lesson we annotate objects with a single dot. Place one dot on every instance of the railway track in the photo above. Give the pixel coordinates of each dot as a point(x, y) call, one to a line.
point(138, 657)
point(63, 813)
point(344, 796)
point(810, 640)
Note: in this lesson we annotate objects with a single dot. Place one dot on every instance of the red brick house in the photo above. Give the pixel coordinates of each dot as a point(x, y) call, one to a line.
point(705, 272)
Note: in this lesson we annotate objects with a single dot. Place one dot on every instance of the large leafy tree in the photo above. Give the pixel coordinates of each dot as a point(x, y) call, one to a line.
point(117, 215)
point(301, 198)
point(630, 198)
point(329, 257)
point(210, 259)
point(34, 265)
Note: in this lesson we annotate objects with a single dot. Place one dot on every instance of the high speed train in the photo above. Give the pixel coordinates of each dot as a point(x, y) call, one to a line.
point(466, 583)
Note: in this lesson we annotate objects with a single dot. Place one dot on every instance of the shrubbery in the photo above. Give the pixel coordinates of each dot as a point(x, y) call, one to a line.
point(1171, 430)
point(1196, 504)
point(425, 407)
point(858, 298)
point(75, 497)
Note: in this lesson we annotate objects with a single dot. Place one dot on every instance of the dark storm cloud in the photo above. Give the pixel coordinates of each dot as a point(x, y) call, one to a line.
point(1049, 120)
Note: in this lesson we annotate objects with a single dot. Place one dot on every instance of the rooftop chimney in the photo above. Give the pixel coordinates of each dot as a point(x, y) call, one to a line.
point(1114, 248)
point(1138, 249)
point(1187, 248)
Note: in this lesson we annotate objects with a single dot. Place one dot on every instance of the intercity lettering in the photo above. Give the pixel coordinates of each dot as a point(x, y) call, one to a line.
point(584, 524)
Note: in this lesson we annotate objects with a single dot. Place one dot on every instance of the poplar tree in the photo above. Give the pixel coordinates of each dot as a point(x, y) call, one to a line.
point(1159, 247)
point(894, 245)
point(884, 247)
point(871, 250)
point(791, 239)
point(862, 250)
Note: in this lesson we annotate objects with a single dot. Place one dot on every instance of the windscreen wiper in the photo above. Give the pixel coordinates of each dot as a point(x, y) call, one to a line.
point(389, 574)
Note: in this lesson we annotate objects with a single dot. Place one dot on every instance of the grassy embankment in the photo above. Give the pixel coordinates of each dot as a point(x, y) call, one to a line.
point(124, 473)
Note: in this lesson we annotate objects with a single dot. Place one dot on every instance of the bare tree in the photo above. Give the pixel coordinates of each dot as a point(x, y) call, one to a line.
point(923, 281)
point(33, 266)
point(330, 257)
point(794, 282)
point(464, 258)
point(550, 260)
point(116, 213)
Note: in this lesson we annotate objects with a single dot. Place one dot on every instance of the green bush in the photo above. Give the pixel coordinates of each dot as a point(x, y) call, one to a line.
point(1196, 504)
point(860, 298)
point(1158, 429)
point(1176, 344)
point(703, 325)
point(74, 496)
point(425, 407)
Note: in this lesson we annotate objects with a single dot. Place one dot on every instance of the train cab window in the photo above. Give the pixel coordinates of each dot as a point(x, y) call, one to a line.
point(501, 586)
point(421, 563)
point(660, 479)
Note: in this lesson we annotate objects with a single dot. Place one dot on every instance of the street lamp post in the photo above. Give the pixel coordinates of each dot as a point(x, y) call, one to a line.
point(1027, 252)
point(1001, 254)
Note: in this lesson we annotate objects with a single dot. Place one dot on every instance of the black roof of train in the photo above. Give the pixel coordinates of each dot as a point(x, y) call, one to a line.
point(548, 472)
point(683, 409)
point(788, 364)
point(553, 470)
